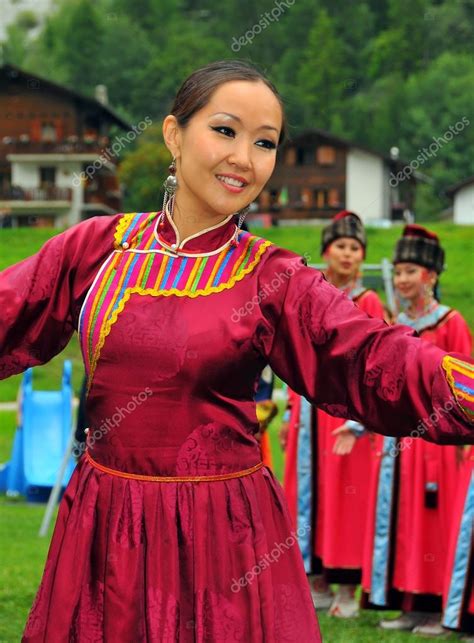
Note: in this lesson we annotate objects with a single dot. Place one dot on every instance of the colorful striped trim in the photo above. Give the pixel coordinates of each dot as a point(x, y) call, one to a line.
point(143, 268)
point(131, 227)
point(460, 377)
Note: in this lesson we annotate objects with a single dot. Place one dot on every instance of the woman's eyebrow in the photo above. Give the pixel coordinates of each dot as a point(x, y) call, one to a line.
point(239, 120)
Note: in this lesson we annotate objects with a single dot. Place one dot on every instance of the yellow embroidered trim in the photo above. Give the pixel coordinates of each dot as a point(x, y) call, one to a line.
point(144, 478)
point(448, 363)
point(121, 227)
point(463, 367)
point(105, 330)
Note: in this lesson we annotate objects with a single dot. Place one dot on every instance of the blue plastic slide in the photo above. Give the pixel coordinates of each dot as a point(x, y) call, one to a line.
point(40, 440)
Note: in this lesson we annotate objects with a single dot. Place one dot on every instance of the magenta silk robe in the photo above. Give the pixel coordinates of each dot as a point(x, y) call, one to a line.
point(173, 347)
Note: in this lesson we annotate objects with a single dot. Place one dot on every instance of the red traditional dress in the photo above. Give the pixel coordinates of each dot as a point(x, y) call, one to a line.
point(458, 596)
point(411, 498)
point(170, 529)
point(332, 495)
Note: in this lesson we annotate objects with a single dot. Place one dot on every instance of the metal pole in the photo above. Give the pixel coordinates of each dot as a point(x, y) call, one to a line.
point(388, 283)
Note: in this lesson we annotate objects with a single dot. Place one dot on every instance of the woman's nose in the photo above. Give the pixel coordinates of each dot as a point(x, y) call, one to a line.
point(241, 156)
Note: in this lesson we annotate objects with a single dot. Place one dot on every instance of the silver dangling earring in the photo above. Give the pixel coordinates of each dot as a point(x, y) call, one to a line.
point(429, 292)
point(170, 185)
point(242, 214)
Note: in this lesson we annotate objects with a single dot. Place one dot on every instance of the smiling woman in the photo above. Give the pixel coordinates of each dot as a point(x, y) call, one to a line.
point(171, 528)
point(225, 153)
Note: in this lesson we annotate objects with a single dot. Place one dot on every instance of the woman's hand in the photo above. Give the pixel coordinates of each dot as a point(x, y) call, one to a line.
point(345, 440)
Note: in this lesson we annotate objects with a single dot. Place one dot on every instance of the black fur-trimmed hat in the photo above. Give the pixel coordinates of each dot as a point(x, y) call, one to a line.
point(344, 224)
point(419, 245)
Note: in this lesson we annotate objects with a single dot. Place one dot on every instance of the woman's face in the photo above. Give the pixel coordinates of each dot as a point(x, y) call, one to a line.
point(410, 279)
point(227, 152)
point(344, 256)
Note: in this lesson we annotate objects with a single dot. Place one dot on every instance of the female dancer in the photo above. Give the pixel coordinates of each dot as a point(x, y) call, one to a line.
point(170, 528)
point(341, 451)
point(412, 499)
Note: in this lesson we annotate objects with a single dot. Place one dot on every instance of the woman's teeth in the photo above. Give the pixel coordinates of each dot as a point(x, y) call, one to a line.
point(229, 181)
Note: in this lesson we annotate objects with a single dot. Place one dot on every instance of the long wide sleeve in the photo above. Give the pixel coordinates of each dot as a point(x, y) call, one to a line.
point(355, 366)
point(40, 297)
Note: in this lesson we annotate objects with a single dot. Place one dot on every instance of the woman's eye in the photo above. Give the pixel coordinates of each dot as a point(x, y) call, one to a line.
point(269, 145)
point(222, 129)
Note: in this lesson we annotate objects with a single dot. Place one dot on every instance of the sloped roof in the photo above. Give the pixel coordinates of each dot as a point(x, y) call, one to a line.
point(342, 142)
point(11, 72)
point(452, 189)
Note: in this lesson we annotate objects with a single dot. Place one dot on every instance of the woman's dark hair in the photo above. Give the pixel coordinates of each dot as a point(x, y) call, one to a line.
point(197, 89)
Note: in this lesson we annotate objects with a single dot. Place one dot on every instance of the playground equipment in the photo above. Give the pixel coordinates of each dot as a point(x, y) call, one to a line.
point(42, 439)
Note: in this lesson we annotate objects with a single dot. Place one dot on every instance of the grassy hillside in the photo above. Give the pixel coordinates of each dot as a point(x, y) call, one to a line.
point(456, 283)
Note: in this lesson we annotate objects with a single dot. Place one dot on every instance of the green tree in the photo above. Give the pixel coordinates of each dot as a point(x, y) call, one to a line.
point(322, 85)
point(15, 48)
point(143, 171)
point(402, 46)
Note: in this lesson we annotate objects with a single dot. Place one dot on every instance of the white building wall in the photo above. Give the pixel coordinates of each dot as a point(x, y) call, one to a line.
point(464, 205)
point(67, 174)
point(366, 185)
point(26, 174)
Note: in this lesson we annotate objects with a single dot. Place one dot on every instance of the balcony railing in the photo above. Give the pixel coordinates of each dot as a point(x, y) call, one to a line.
point(14, 146)
point(53, 193)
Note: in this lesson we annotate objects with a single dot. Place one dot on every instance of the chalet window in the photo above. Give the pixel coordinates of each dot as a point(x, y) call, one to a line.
point(326, 155)
point(290, 156)
point(304, 156)
point(47, 176)
point(321, 198)
point(48, 132)
point(274, 197)
point(264, 200)
point(307, 197)
point(334, 199)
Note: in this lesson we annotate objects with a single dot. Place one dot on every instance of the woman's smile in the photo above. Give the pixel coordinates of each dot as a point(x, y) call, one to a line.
point(232, 182)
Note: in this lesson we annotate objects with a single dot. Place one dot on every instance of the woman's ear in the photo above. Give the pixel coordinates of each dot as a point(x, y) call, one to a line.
point(433, 277)
point(172, 135)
